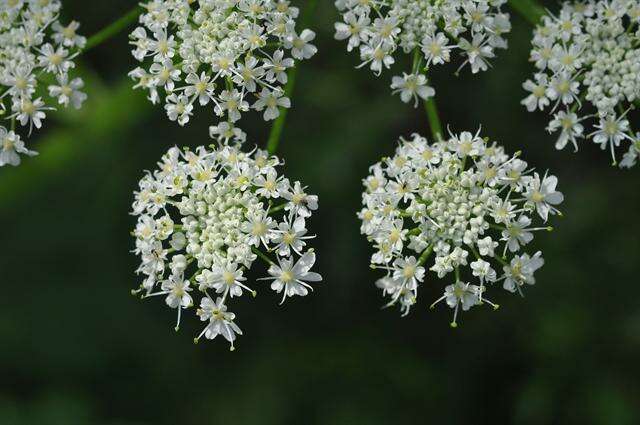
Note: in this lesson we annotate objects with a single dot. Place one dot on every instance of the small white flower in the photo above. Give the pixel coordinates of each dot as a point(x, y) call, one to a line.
point(291, 279)
point(27, 111)
point(630, 158)
point(221, 321)
point(291, 236)
point(436, 48)
point(543, 195)
point(68, 92)
point(179, 108)
point(520, 271)
point(226, 131)
point(301, 47)
point(270, 101)
point(538, 97)
point(300, 202)
point(571, 129)
point(10, 146)
point(610, 132)
point(412, 86)
point(477, 51)
point(227, 279)
point(483, 270)
point(459, 294)
point(353, 29)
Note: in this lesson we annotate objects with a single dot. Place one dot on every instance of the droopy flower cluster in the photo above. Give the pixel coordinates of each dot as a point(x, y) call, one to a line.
point(589, 53)
point(232, 54)
point(431, 29)
point(464, 201)
point(35, 49)
point(204, 217)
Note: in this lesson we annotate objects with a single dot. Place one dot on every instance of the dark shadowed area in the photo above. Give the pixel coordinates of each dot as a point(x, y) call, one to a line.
point(77, 348)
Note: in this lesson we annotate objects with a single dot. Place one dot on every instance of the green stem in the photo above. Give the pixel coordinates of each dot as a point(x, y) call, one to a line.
point(433, 117)
point(113, 28)
point(528, 9)
point(425, 255)
point(262, 256)
point(277, 208)
point(278, 125)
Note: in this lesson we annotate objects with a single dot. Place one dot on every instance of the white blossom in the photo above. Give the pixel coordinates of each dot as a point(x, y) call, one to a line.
point(202, 223)
point(430, 30)
point(34, 47)
point(232, 54)
point(587, 58)
point(463, 201)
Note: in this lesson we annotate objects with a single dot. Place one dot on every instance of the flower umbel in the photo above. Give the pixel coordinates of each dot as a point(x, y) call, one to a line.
point(209, 214)
point(432, 30)
point(463, 201)
point(230, 54)
point(34, 48)
point(587, 61)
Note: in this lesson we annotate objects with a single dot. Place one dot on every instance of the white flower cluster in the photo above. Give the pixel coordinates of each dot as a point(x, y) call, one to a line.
point(35, 48)
point(204, 217)
point(431, 29)
point(233, 54)
point(463, 200)
point(590, 53)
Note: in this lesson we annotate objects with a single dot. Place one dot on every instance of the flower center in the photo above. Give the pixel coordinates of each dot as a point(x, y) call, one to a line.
point(286, 276)
point(288, 238)
point(537, 196)
point(408, 272)
point(7, 144)
point(228, 278)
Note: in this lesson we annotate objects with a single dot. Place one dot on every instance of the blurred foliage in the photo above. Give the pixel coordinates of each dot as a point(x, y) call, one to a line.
point(78, 349)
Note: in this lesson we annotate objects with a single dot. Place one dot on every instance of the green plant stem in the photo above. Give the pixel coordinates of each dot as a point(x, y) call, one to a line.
point(113, 29)
point(262, 256)
point(433, 117)
point(425, 255)
point(278, 125)
point(277, 208)
point(528, 9)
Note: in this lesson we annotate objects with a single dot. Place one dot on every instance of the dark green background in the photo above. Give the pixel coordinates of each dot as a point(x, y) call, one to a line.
point(76, 348)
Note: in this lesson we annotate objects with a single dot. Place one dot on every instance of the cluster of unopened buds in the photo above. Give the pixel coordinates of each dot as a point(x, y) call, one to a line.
point(35, 49)
point(232, 54)
point(465, 202)
point(587, 61)
point(432, 30)
point(205, 216)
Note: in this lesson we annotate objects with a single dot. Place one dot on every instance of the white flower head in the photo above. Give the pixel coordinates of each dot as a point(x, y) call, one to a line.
point(431, 31)
point(34, 47)
point(460, 208)
point(229, 55)
point(587, 58)
point(204, 218)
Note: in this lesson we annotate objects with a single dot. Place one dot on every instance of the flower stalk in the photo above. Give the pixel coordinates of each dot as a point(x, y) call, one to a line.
point(528, 9)
point(113, 29)
point(433, 117)
point(278, 126)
